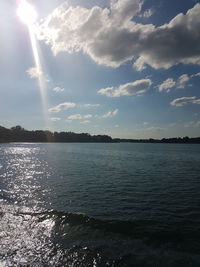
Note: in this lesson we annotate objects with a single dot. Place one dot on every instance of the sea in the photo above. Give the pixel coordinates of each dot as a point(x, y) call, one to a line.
point(99, 204)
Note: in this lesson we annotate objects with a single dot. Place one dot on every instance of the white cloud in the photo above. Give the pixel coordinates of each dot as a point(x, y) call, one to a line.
point(55, 119)
point(91, 105)
point(85, 122)
point(34, 73)
point(58, 89)
point(110, 114)
point(182, 101)
point(111, 37)
point(79, 117)
point(196, 75)
point(170, 83)
point(182, 80)
point(147, 13)
point(132, 89)
point(125, 10)
point(87, 116)
point(75, 117)
point(166, 85)
point(62, 106)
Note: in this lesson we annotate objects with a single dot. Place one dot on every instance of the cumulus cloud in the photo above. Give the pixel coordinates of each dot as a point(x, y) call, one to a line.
point(132, 89)
point(62, 106)
point(170, 83)
point(79, 117)
point(34, 73)
point(55, 119)
point(110, 36)
point(110, 114)
point(182, 80)
point(147, 13)
point(182, 101)
point(166, 85)
point(58, 89)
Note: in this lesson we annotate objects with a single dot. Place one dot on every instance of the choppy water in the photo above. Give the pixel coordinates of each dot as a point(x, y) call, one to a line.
point(100, 205)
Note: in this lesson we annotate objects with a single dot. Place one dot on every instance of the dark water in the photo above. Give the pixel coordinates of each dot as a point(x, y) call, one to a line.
point(100, 205)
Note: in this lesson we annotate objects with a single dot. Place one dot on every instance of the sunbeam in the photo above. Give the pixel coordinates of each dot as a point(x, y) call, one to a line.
point(28, 15)
point(41, 78)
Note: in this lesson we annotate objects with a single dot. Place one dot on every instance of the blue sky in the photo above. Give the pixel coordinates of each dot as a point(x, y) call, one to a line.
point(126, 68)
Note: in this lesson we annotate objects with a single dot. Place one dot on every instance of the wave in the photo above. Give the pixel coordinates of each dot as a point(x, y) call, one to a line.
point(148, 230)
point(76, 239)
point(153, 230)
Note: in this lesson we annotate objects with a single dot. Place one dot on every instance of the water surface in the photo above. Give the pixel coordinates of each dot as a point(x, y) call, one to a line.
point(118, 204)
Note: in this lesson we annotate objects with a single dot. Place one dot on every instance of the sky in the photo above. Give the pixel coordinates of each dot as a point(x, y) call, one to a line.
point(126, 68)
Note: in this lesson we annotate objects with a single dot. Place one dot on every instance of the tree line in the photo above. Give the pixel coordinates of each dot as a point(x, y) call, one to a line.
point(19, 134)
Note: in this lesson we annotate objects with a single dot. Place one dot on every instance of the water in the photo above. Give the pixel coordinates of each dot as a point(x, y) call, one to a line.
point(120, 204)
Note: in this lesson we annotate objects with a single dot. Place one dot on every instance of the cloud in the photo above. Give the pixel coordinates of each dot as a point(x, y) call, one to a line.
point(62, 106)
point(55, 119)
point(156, 129)
point(110, 114)
point(170, 83)
point(182, 80)
point(91, 105)
point(172, 124)
point(79, 116)
point(87, 116)
point(58, 89)
point(131, 89)
point(147, 13)
point(182, 101)
point(85, 122)
point(110, 36)
point(167, 84)
point(75, 117)
point(34, 73)
point(196, 75)
point(193, 124)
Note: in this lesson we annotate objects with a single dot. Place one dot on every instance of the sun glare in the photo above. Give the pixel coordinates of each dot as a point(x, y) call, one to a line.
point(26, 12)
point(28, 15)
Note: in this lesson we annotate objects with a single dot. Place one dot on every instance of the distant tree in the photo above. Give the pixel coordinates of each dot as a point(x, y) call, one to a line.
point(19, 134)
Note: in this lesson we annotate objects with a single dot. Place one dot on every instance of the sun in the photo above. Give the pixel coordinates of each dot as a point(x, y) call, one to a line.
point(26, 12)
